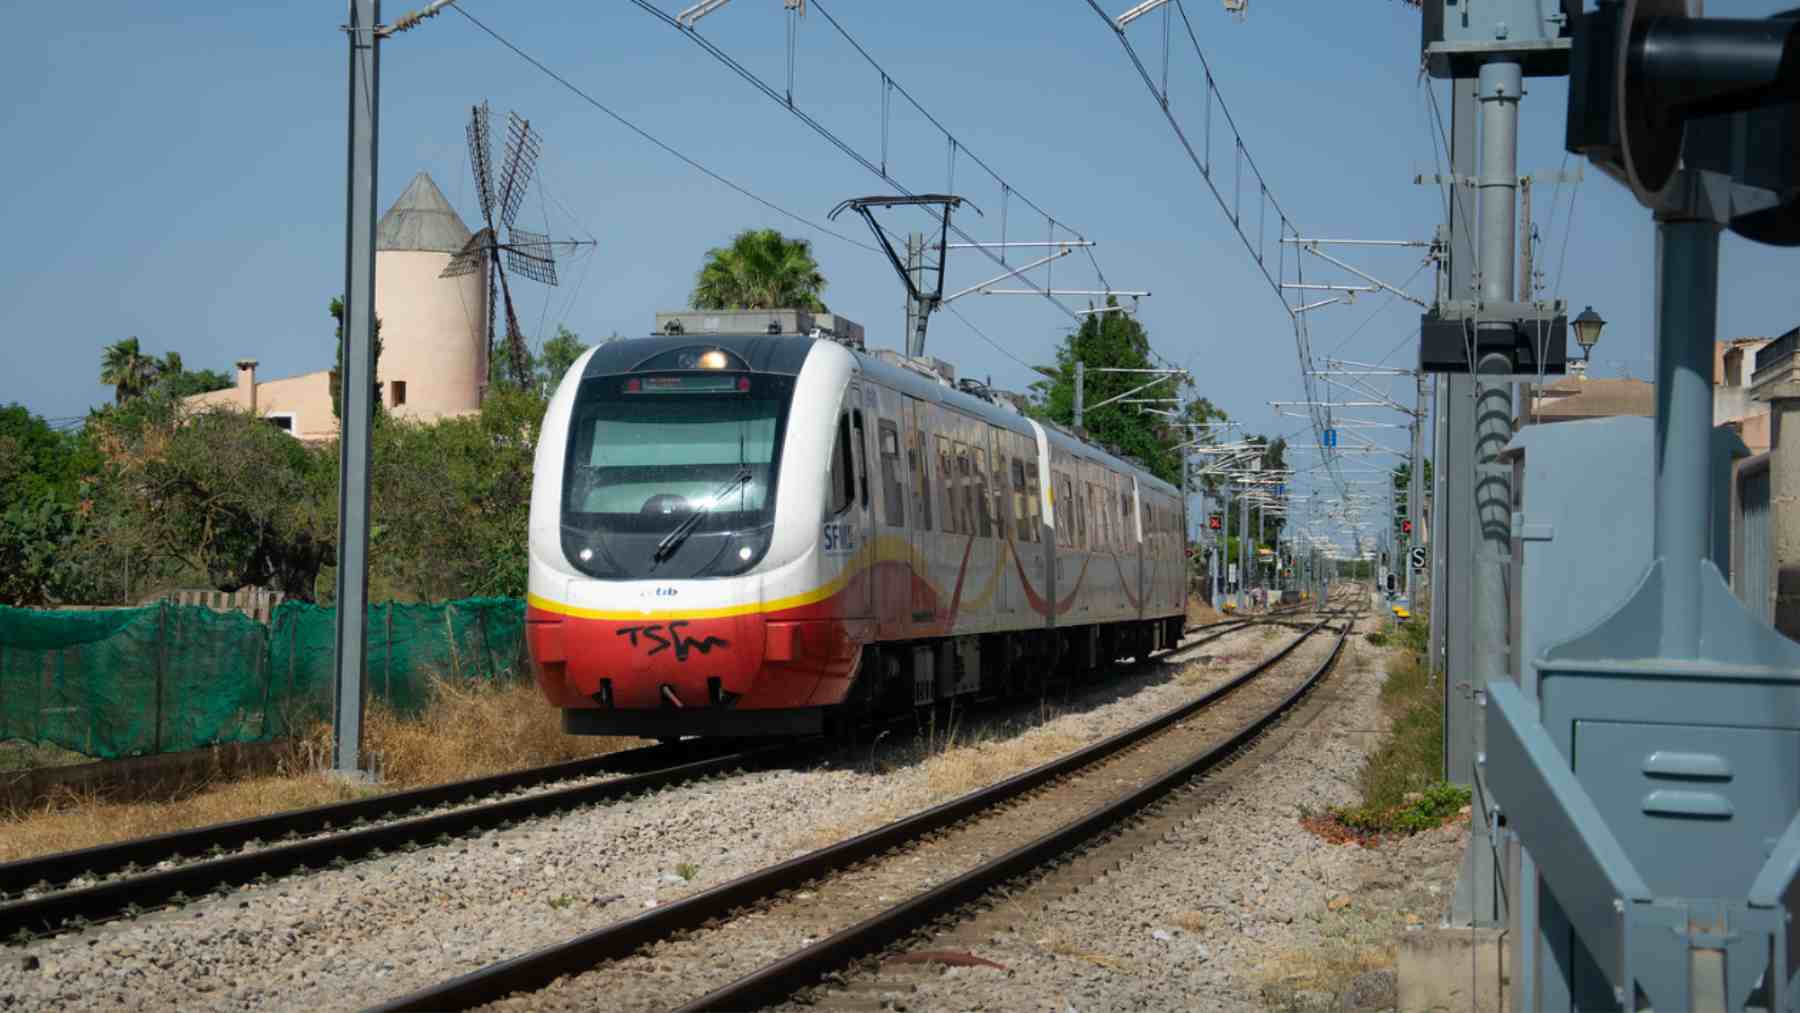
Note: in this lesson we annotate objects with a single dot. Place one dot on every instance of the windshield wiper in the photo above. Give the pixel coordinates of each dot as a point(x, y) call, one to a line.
point(672, 541)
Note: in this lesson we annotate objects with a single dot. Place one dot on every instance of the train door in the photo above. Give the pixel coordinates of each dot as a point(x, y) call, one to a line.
point(1042, 496)
point(919, 473)
point(1141, 535)
point(891, 565)
point(991, 522)
point(861, 587)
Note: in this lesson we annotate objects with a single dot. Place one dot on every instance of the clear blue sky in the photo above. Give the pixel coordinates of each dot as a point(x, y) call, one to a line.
point(177, 173)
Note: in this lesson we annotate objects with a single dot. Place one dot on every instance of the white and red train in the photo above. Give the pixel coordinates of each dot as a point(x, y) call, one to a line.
point(757, 534)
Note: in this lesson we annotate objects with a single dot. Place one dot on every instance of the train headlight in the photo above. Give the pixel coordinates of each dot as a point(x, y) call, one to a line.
point(745, 552)
point(586, 555)
point(714, 359)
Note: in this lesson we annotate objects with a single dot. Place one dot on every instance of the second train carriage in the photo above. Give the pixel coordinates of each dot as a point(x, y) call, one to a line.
point(754, 533)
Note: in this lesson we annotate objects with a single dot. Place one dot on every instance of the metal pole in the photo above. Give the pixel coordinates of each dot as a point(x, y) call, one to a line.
point(1264, 581)
point(1525, 268)
point(1476, 900)
point(915, 269)
point(1243, 539)
point(1687, 294)
point(1456, 464)
point(1080, 389)
point(349, 689)
point(1224, 542)
point(1435, 643)
point(1415, 495)
point(1499, 88)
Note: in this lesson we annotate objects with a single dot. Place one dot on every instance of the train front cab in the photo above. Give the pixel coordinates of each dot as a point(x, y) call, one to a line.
point(746, 617)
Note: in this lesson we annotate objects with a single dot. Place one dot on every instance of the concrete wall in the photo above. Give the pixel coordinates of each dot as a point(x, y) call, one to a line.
point(433, 334)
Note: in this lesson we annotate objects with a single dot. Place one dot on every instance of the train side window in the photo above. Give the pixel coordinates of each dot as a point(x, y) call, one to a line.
point(1034, 500)
point(1122, 533)
point(965, 481)
point(1064, 509)
point(892, 493)
point(921, 477)
point(842, 482)
point(1021, 514)
point(859, 442)
point(1081, 541)
point(984, 515)
point(1093, 509)
point(1111, 502)
point(947, 478)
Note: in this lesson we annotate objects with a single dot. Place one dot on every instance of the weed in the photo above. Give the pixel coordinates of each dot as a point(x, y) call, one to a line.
point(1401, 782)
point(1379, 638)
point(687, 871)
point(1417, 811)
point(468, 728)
point(563, 901)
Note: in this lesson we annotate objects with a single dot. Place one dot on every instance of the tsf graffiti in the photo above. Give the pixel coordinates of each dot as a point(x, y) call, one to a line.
point(661, 638)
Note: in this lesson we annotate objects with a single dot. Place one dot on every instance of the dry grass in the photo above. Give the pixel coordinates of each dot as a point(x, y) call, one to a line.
point(959, 769)
point(1200, 612)
point(1058, 943)
point(1192, 921)
point(956, 762)
point(468, 730)
point(471, 729)
point(17, 755)
point(1208, 667)
point(1328, 968)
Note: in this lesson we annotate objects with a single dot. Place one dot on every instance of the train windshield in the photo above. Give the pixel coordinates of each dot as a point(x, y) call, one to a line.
point(673, 475)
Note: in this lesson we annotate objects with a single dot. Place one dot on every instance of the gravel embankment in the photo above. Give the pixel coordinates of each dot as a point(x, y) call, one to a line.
point(1237, 907)
point(343, 938)
point(679, 971)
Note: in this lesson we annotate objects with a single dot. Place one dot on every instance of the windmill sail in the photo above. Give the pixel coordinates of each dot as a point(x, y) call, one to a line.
point(530, 254)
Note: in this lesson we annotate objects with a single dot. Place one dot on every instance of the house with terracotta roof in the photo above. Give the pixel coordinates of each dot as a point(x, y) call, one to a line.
point(1580, 396)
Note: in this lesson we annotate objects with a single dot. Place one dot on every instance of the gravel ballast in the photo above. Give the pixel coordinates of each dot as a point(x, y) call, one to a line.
point(376, 929)
point(678, 971)
point(1237, 906)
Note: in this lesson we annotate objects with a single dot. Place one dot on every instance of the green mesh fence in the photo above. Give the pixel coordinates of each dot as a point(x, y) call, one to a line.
point(408, 645)
point(165, 678)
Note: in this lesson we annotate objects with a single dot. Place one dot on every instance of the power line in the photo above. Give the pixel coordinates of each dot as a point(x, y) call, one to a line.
point(646, 135)
point(1562, 259)
point(978, 332)
point(889, 85)
point(1378, 311)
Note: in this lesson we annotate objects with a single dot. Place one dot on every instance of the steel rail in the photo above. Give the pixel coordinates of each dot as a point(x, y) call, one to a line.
point(779, 980)
point(51, 911)
point(340, 833)
point(105, 859)
point(535, 970)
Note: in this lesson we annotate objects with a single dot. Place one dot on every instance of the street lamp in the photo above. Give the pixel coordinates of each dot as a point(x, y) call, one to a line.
point(1587, 331)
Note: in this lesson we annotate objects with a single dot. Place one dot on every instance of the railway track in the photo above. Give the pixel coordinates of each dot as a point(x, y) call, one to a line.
point(70, 890)
point(1051, 809)
point(73, 888)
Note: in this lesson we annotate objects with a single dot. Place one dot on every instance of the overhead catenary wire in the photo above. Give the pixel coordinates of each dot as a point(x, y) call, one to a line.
point(1203, 163)
point(978, 332)
point(653, 139)
point(879, 169)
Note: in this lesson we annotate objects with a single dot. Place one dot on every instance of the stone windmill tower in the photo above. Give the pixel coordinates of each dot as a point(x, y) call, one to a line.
point(433, 328)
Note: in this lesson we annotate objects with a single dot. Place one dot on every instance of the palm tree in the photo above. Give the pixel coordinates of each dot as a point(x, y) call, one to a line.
point(128, 369)
point(761, 269)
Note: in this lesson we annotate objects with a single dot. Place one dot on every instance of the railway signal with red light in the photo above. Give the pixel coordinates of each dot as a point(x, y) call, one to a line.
point(1406, 527)
point(1214, 523)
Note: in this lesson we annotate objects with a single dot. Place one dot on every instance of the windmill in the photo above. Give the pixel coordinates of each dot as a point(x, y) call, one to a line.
point(530, 254)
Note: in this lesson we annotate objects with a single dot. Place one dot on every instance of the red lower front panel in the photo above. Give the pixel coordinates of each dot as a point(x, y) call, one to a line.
point(760, 660)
